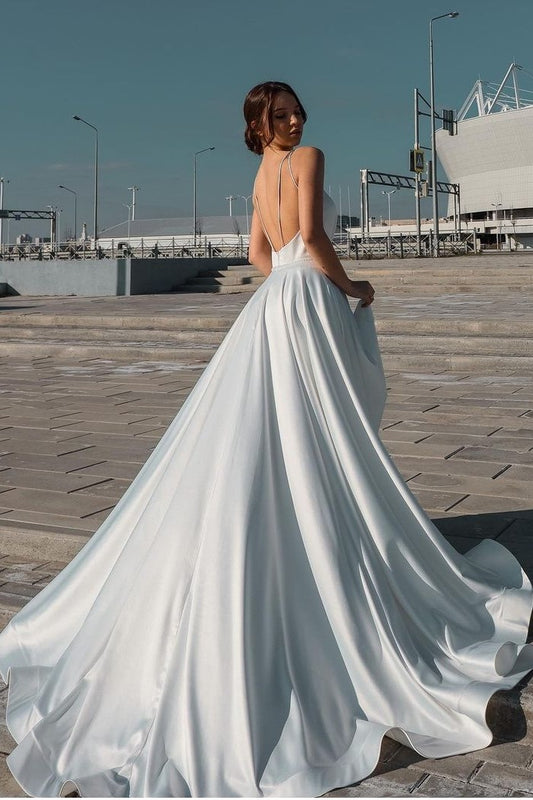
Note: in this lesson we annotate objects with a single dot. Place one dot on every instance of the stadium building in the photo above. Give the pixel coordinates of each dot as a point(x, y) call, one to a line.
point(491, 158)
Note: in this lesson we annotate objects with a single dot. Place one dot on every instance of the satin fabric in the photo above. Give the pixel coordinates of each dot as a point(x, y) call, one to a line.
point(267, 600)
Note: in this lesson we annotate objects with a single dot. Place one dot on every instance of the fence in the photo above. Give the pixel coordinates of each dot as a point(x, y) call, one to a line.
point(407, 245)
point(389, 246)
point(175, 247)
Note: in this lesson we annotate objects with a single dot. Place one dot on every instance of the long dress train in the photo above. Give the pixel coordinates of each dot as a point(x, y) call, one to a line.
point(267, 600)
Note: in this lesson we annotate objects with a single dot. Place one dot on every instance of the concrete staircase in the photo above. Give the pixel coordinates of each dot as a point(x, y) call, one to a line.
point(441, 316)
point(225, 281)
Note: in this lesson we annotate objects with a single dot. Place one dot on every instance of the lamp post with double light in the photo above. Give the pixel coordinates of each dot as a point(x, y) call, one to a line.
point(95, 129)
point(247, 217)
point(205, 150)
point(451, 15)
point(133, 190)
point(2, 182)
point(392, 191)
point(60, 186)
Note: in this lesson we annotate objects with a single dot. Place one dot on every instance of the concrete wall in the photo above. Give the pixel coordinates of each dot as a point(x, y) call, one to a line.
point(100, 278)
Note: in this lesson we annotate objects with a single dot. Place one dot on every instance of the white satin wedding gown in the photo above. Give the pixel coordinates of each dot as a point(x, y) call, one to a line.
point(267, 600)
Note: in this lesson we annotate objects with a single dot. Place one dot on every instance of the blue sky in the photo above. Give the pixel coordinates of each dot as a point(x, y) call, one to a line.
point(164, 78)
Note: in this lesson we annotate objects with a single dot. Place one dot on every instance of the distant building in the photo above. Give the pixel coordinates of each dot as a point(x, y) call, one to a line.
point(491, 158)
point(165, 233)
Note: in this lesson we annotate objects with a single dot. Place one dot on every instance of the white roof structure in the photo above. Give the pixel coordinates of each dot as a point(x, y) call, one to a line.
point(178, 226)
point(491, 155)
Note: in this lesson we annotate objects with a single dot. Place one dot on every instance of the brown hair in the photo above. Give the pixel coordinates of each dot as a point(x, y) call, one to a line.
point(258, 113)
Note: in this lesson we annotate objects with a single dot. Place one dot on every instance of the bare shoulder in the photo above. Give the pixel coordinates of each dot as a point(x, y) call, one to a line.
point(308, 156)
point(308, 165)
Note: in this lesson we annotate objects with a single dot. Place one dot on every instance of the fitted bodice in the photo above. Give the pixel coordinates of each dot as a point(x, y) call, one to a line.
point(295, 250)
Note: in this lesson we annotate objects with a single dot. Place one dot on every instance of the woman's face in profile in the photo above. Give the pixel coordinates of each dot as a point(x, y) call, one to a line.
point(287, 121)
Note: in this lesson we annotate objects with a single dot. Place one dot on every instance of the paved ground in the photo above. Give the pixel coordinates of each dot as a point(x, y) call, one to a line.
point(74, 433)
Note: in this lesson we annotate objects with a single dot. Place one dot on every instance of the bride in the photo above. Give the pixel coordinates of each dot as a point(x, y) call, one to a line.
point(267, 601)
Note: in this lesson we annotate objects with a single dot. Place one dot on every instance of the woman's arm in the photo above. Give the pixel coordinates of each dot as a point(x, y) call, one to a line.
point(308, 163)
point(260, 252)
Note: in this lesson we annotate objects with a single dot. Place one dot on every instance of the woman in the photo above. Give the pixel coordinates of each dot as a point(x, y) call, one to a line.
point(267, 601)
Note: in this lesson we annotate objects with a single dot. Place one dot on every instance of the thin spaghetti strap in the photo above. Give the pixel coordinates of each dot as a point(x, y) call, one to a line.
point(290, 168)
point(261, 220)
point(279, 198)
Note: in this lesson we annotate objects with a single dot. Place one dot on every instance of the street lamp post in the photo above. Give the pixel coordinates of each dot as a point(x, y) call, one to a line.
point(60, 186)
point(133, 190)
point(496, 206)
point(452, 15)
point(388, 201)
point(95, 129)
point(231, 198)
point(247, 218)
point(53, 224)
point(194, 190)
point(2, 181)
point(130, 217)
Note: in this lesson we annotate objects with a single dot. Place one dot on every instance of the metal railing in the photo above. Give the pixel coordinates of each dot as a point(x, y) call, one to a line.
point(407, 245)
point(387, 246)
point(177, 247)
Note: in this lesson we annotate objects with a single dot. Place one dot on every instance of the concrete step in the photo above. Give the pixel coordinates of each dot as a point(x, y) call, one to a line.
point(394, 336)
point(238, 271)
point(216, 280)
point(144, 323)
point(482, 345)
point(200, 288)
point(79, 350)
point(396, 355)
point(194, 326)
point(70, 334)
point(479, 364)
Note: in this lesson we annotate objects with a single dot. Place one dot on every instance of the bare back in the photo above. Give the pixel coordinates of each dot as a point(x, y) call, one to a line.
point(275, 198)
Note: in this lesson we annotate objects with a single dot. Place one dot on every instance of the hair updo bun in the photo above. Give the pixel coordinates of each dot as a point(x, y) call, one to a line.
point(258, 113)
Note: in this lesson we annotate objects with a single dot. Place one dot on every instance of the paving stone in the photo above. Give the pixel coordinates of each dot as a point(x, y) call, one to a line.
point(36, 434)
point(450, 427)
point(425, 449)
point(48, 481)
point(518, 530)
point(393, 435)
point(49, 463)
point(476, 526)
point(112, 488)
point(7, 743)
point(511, 753)
point(456, 767)
point(502, 776)
point(476, 503)
point(54, 502)
point(435, 500)
point(438, 786)
point(23, 589)
point(492, 454)
point(54, 521)
point(500, 486)
point(110, 469)
point(400, 780)
point(521, 473)
point(8, 785)
point(46, 448)
point(450, 466)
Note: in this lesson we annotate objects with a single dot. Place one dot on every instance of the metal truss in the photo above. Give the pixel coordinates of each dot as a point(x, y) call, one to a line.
point(369, 176)
point(403, 181)
point(11, 214)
